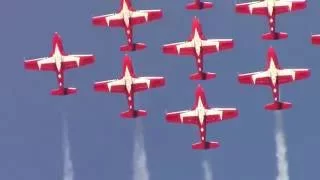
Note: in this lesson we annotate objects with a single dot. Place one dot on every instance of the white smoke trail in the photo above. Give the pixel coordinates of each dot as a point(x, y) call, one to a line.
point(281, 148)
point(67, 164)
point(140, 168)
point(207, 170)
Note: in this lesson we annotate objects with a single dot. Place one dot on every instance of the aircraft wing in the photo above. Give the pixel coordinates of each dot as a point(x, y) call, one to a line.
point(183, 117)
point(285, 6)
point(75, 61)
point(254, 8)
point(40, 64)
point(290, 75)
point(110, 20)
point(114, 86)
point(144, 83)
point(219, 114)
point(143, 16)
point(179, 48)
point(259, 78)
point(315, 39)
point(216, 45)
point(261, 7)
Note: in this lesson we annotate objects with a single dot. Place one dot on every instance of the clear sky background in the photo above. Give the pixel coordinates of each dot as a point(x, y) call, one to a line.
point(102, 143)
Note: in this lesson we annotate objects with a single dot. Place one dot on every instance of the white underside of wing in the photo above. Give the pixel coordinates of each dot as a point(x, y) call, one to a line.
point(142, 13)
point(44, 60)
point(186, 44)
point(72, 58)
point(249, 3)
point(261, 74)
point(189, 113)
point(110, 17)
point(142, 80)
point(214, 111)
point(214, 42)
point(289, 72)
point(81, 55)
point(285, 3)
point(218, 111)
point(257, 4)
point(113, 82)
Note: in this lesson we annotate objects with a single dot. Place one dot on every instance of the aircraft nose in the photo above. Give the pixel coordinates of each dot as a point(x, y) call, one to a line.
point(195, 21)
point(56, 37)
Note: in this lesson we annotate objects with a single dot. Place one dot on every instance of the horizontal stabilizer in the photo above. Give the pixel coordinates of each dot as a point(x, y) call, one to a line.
point(278, 106)
point(205, 145)
point(199, 6)
point(133, 113)
point(133, 47)
point(274, 36)
point(202, 76)
point(63, 91)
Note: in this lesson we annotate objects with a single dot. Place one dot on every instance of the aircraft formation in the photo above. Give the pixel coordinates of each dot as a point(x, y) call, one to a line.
point(197, 45)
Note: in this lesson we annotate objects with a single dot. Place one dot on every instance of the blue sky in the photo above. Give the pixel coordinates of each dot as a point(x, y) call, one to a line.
point(102, 142)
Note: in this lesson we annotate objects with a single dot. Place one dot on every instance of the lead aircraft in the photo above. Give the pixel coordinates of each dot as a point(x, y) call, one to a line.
point(271, 8)
point(126, 17)
point(202, 115)
point(198, 5)
point(273, 76)
point(197, 45)
point(129, 84)
point(59, 61)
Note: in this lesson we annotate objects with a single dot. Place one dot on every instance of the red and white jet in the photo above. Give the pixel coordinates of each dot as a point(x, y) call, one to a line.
point(273, 76)
point(129, 84)
point(198, 5)
point(59, 61)
point(197, 45)
point(126, 17)
point(315, 39)
point(271, 8)
point(202, 115)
